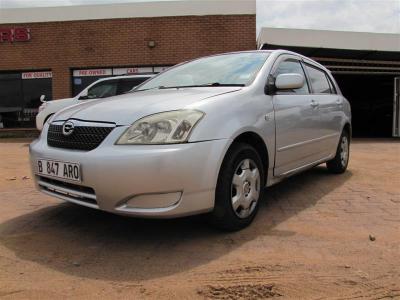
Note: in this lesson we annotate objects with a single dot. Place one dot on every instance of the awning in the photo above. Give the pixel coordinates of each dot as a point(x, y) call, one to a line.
point(333, 44)
point(339, 53)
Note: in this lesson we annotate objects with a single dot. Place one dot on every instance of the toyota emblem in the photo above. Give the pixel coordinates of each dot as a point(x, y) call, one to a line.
point(68, 128)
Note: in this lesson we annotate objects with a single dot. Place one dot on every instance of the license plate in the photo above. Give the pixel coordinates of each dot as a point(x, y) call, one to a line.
point(59, 169)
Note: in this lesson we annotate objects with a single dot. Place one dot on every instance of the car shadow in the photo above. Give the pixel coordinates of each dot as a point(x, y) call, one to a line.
point(92, 244)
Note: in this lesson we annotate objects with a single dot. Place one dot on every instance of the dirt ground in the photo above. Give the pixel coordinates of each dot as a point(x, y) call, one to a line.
point(310, 240)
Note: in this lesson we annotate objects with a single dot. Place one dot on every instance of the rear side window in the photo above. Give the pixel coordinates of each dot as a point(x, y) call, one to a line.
point(125, 85)
point(319, 81)
point(292, 66)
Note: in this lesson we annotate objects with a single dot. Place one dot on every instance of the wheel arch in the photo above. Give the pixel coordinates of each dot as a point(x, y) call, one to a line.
point(347, 127)
point(255, 140)
point(48, 117)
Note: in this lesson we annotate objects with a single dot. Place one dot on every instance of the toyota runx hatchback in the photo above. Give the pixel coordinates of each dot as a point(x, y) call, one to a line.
point(204, 137)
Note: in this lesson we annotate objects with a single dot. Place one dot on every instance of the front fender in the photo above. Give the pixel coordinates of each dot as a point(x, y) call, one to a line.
point(229, 116)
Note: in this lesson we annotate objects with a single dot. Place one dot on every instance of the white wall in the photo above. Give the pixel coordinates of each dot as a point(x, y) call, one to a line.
point(128, 10)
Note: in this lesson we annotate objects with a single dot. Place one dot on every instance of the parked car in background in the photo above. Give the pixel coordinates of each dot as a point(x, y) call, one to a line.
point(103, 88)
point(205, 136)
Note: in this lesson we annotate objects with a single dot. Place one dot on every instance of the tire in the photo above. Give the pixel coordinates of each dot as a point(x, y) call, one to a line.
point(239, 188)
point(338, 164)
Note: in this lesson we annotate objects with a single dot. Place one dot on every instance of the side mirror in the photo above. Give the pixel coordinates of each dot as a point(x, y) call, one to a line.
point(42, 98)
point(289, 81)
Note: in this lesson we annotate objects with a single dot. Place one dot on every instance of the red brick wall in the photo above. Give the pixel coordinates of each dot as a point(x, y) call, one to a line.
point(60, 46)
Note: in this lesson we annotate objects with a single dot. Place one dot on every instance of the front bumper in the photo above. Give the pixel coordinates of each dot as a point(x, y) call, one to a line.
point(161, 181)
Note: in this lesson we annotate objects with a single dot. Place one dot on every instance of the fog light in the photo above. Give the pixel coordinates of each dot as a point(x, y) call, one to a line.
point(154, 200)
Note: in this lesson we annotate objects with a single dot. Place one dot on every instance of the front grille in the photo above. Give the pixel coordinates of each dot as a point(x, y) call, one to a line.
point(68, 191)
point(83, 137)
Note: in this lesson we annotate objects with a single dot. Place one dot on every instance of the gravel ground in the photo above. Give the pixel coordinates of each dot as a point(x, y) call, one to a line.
point(316, 236)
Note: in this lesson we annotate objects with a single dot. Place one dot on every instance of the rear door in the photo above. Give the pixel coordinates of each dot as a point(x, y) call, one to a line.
point(296, 121)
point(329, 107)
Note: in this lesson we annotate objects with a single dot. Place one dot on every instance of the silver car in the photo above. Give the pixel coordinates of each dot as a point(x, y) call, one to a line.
point(206, 136)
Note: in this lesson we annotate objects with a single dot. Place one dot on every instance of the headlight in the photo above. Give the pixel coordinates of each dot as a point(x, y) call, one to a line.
point(170, 127)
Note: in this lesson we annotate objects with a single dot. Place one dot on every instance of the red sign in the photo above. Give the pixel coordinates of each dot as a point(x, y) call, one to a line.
point(124, 71)
point(93, 72)
point(37, 75)
point(15, 35)
point(132, 70)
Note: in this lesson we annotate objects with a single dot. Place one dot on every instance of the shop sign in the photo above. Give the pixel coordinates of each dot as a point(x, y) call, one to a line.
point(92, 72)
point(15, 35)
point(37, 75)
point(132, 71)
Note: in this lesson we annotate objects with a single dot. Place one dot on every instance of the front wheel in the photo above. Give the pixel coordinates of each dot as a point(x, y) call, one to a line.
point(239, 188)
point(339, 163)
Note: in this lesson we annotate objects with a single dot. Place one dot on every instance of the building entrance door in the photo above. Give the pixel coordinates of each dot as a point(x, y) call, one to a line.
point(20, 97)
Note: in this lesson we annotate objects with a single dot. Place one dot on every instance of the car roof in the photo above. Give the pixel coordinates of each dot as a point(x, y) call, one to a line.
point(127, 77)
point(134, 76)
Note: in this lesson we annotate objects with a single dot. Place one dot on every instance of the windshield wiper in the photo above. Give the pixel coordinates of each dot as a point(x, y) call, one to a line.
point(162, 87)
point(202, 85)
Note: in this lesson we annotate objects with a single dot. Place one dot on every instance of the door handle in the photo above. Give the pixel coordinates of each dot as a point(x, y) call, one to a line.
point(314, 104)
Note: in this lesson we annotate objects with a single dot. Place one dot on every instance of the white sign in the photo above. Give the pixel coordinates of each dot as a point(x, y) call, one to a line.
point(92, 72)
point(160, 69)
point(37, 75)
point(132, 71)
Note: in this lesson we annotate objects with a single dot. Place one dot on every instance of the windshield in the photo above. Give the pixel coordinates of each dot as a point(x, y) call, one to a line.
point(236, 69)
point(102, 90)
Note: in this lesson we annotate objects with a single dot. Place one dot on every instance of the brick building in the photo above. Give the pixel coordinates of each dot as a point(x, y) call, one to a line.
point(57, 51)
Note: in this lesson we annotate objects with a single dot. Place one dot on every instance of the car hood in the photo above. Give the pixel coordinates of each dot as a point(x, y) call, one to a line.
point(61, 102)
point(127, 108)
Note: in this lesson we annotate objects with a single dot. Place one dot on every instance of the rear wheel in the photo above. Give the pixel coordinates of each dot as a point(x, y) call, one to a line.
point(239, 188)
point(339, 163)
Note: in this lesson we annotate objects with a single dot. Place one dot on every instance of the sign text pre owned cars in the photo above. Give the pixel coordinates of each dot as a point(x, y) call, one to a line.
point(15, 35)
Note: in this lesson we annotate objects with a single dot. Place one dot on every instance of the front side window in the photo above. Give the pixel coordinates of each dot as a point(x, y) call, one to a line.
point(235, 69)
point(102, 90)
point(292, 66)
point(319, 82)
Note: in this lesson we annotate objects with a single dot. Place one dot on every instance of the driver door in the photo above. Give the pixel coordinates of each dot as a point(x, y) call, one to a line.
point(296, 120)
